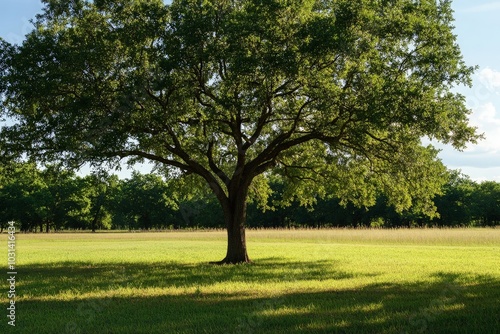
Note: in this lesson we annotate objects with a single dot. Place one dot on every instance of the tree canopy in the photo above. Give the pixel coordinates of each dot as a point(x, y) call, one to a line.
point(332, 94)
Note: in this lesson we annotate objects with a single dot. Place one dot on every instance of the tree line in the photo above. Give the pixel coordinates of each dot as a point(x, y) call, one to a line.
point(54, 199)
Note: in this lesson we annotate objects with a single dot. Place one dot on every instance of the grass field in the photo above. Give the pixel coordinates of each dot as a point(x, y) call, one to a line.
point(327, 281)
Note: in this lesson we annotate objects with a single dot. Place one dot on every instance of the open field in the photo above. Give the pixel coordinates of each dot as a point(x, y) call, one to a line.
point(327, 281)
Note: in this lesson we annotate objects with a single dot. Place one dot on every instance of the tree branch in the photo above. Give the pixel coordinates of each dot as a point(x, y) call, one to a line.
point(214, 167)
point(153, 157)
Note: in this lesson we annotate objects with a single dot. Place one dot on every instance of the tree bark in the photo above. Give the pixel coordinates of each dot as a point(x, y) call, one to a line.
point(236, 241)
point(235, 218)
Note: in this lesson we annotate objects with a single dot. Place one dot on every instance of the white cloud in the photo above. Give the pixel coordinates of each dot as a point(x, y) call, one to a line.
point(490, 79)
point(480, 161)
point(487, 120)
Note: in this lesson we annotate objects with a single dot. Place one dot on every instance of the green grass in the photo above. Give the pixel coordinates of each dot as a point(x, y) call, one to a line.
point(328, 281)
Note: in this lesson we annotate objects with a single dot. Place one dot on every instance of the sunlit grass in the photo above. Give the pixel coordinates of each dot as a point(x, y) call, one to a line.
point(312, 281)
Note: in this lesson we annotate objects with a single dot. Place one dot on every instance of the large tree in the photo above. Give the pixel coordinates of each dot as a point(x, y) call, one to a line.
point(333, 94)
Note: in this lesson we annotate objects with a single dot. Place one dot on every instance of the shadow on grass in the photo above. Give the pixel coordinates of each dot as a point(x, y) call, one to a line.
point(451, 304)
point(44, 280)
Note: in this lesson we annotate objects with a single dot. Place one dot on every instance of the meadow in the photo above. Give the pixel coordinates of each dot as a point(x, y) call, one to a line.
point(300, 281)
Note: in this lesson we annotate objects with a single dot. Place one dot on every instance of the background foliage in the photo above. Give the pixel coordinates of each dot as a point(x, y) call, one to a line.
point(52, 198)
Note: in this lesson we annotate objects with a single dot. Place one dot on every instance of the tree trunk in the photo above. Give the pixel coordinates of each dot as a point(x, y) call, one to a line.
point(235, 217)
point(95, 219)
point(236, 243)
point(99, 205)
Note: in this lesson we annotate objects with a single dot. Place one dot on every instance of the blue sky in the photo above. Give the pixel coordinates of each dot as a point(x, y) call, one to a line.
point(477, 27)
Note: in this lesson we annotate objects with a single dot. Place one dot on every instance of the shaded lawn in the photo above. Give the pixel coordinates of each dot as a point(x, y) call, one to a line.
point(171, 298)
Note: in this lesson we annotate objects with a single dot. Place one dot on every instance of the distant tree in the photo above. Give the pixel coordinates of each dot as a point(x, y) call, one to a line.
point(487, 203)
point(23, 196)
point(98, 189)
point(66, 203)
point(456, 205)
point(115, 201)
point(144, 202)
point(334, 95)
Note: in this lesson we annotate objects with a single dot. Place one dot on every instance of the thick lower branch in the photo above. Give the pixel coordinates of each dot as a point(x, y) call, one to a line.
point(153, 157)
